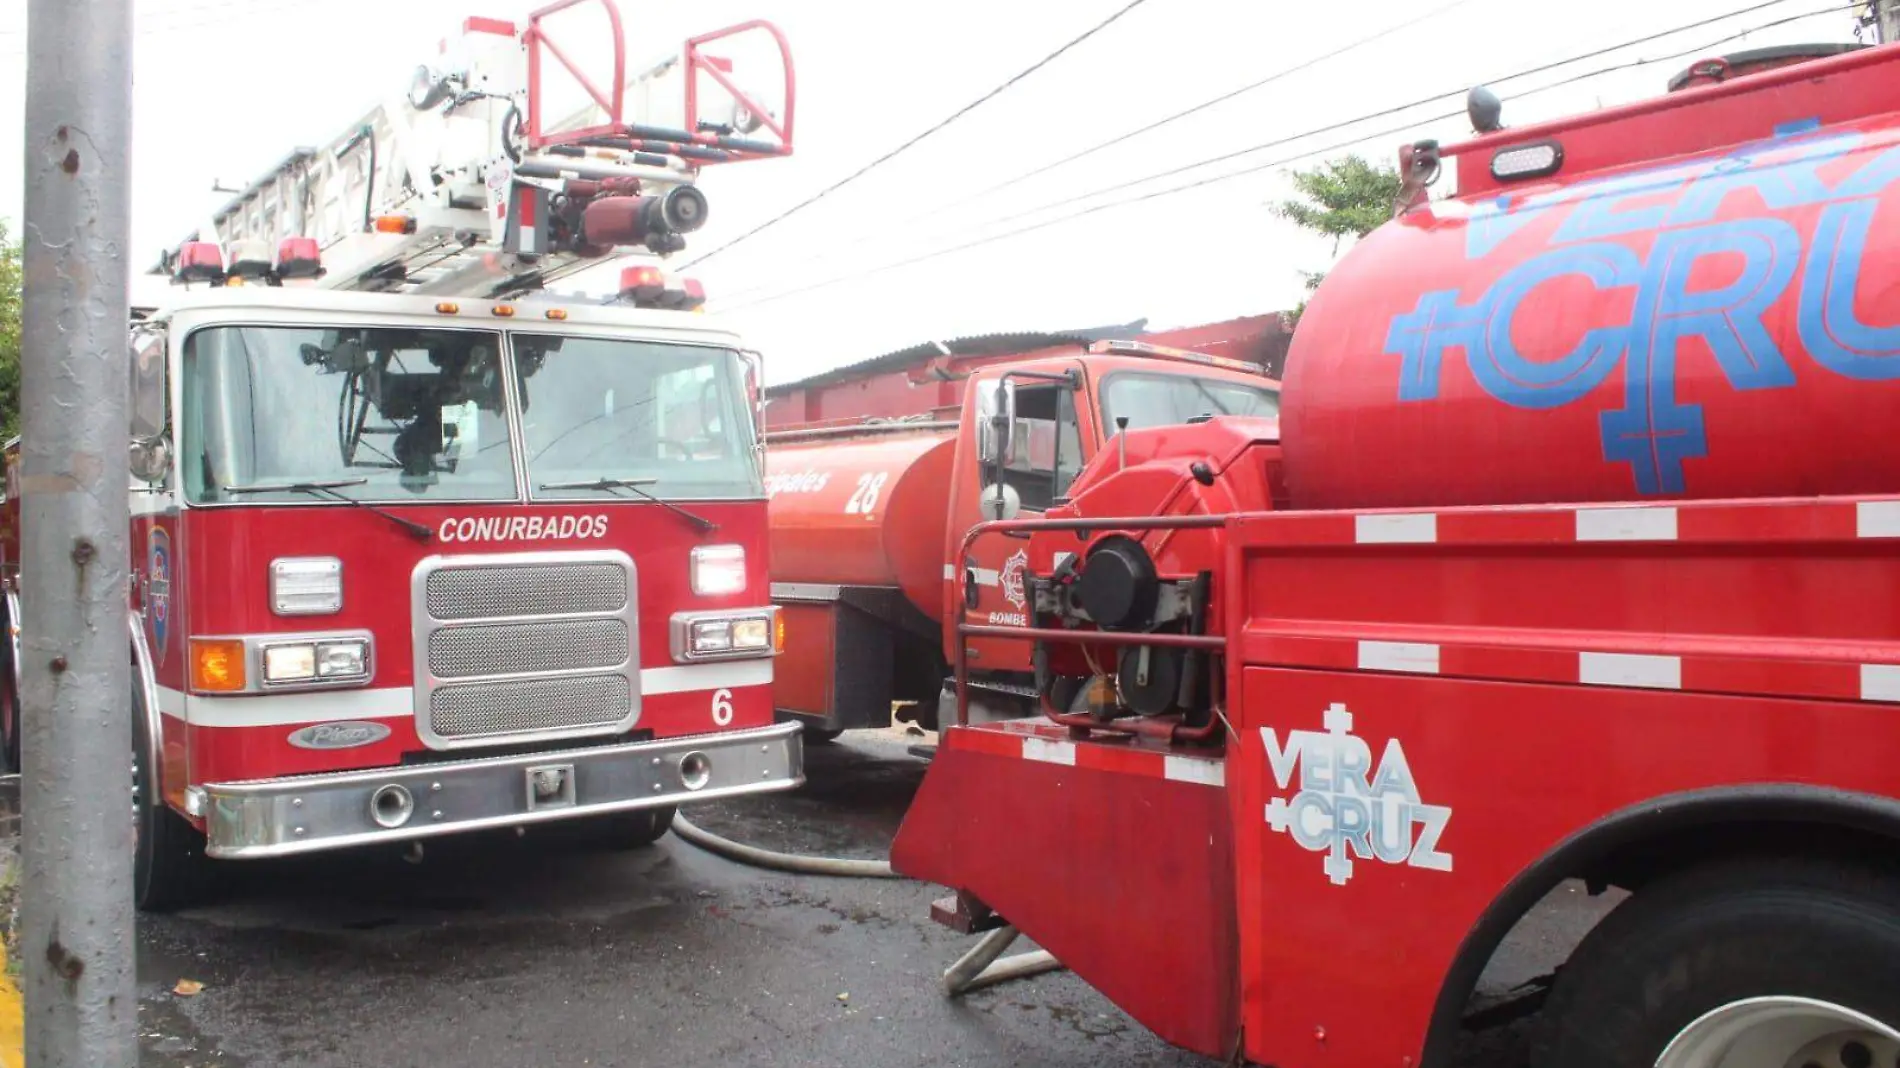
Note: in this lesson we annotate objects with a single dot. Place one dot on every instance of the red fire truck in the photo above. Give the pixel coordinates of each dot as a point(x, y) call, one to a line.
point(1573, 555)
point(420, 546)
point(868, 511)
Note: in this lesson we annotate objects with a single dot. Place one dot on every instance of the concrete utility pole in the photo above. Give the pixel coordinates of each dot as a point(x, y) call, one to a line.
point(76, 818)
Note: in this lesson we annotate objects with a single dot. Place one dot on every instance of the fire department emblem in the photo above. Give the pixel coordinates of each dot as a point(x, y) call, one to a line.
point(1348, 807)
point(1011, 578)
point(158, 591)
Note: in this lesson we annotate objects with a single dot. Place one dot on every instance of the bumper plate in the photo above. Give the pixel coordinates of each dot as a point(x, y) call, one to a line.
point(306, 814)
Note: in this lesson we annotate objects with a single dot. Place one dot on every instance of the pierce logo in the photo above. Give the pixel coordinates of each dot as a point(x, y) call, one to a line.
point(1011, 578)
point(1347, 807)
point(158, 594)
point(343, 735)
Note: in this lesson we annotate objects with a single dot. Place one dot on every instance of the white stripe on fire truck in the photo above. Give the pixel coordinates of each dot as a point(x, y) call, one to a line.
point(1630, 669)
point(685, 678)
point(1194, 769)
point(394, 702)
point(1049, 751)
point(285, 709)
point(1877, 519)
point(1626, 524)
point(1408, 529)
point(1880, 682)
point(1416, 658)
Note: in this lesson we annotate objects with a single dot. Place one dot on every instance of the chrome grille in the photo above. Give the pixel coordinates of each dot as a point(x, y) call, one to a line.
point(523, 590)
point(525, 646)
point(568, 645)
point(530, 705)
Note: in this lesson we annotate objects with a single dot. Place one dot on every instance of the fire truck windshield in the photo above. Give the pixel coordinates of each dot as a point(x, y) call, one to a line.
point(671, 417)
point(1149, 399)
point(414, 413)
point(423, 414)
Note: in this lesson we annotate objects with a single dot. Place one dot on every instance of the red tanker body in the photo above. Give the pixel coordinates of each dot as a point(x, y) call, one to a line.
point(1572, 561)
point(1718, 324)
point(863, 510)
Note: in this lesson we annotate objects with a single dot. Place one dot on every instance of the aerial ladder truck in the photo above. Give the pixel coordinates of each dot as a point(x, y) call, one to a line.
point(420, 545)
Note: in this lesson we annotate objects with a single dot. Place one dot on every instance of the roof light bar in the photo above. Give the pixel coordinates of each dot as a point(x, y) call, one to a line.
point(1162, 352)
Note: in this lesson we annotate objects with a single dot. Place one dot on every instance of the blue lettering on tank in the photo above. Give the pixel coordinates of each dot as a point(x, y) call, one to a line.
point(1653, 432)
point(1483, 331)
point(1830, 330)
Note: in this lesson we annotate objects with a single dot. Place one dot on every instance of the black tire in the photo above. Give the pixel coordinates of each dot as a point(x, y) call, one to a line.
point(819, 735)
point(170, 869)
point(632, 830)
point(1720, 935)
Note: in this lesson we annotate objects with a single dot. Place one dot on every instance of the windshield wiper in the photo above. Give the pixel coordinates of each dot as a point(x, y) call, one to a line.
point(328, 491)
point(705, 525)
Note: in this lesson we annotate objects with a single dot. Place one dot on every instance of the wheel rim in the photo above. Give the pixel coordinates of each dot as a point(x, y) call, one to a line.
point(1783, 1032)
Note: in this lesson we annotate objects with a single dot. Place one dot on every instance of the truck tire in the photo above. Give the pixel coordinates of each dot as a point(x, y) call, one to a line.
point(819, 735)
point(1759, 963)
point(632, 830)
point(170, 869)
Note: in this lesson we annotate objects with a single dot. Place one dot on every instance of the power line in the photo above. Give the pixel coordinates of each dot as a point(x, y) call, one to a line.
point(886, 157)
point(1282, 141)
point(1297, 157)
point(938, 209)
point(1391, 111)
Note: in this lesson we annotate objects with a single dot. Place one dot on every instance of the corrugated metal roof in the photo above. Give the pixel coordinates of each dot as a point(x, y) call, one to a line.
point(998, 344)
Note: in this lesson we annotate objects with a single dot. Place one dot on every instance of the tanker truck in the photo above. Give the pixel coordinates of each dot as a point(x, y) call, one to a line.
point(1572, 560)
point(866, 516)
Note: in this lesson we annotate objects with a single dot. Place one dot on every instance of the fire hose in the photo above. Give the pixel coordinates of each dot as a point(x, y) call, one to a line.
point(755, 857)
point(978, 968)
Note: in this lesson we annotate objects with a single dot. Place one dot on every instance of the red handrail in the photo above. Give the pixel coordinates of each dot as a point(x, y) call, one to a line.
point(1161, 728)
point(691, 143)
point(697, 62)
point(534, 38)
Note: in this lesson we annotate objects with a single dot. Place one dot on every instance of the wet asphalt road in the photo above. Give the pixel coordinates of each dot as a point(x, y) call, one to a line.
point(529, 954)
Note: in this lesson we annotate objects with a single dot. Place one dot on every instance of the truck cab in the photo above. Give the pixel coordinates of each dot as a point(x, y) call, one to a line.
point(868, 518)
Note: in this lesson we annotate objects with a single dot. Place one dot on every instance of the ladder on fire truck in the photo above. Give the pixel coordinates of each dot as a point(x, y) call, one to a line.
point(465, 187)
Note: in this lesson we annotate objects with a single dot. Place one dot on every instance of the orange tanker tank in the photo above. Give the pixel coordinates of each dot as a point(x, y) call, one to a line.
point(862, 510)
point(858, 522)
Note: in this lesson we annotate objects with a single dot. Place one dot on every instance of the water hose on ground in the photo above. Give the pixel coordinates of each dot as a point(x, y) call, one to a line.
point(786, 862)
point(975, 969)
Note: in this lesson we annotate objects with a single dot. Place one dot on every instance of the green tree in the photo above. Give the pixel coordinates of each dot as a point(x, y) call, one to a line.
point(1345, 197)
point(9, 333)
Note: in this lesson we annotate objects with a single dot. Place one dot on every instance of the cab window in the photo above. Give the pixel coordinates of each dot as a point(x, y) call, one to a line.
point(1048, 447)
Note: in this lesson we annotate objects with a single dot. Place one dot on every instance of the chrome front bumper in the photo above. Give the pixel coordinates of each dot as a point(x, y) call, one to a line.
point(306, 814)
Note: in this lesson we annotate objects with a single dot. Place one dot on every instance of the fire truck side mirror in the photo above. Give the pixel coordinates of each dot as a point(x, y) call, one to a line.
point(150, 459)
point(996, 423)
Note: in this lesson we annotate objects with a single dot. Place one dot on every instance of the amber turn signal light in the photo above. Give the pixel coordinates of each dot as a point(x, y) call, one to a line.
point(217, 665)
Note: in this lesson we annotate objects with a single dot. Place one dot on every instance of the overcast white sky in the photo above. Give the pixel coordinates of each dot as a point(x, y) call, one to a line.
point(224, 88)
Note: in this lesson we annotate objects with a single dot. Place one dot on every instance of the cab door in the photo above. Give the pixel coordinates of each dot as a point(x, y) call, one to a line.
point(1054, 436)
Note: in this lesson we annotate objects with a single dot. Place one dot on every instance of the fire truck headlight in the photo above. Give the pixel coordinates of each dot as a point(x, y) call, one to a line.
point(332, 661)
point(306, 585)
point(342, 660)
point(290, 663)
point(718, 570)
point(714, 636)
